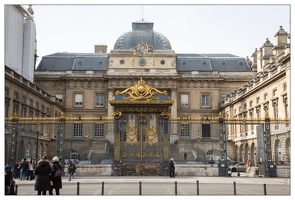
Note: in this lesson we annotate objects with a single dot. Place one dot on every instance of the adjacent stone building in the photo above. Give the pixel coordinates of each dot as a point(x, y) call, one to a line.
point(30, 138)
point(268, 92)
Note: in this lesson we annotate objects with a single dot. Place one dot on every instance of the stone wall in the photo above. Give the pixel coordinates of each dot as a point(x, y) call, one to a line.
point(180, 170)
point(91, 170)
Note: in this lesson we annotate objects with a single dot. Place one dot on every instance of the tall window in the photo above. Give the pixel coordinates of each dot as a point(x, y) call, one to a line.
point(78, 99)
point(78, 129)
point(206, 133)
point(223, 97)
point(274, 92)
point(99, 100)
point(59, 96)
point(205, 100)
point(285, 87)
point(99, 129)
point(265, 96)
point(286, 107)
point(258, 112)
point(184, 100)
point(184, 130)
point(276, 111)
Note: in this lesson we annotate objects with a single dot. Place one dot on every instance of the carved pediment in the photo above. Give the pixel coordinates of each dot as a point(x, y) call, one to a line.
point(142, 48)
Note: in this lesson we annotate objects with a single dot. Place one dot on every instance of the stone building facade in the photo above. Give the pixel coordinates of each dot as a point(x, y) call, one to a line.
point(82, 85)
point(197, 83)
point(267, 93)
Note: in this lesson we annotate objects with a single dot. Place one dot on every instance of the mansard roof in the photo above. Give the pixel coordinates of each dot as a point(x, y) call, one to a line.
point(211, 62)
point(184, 62)
point(74, 61)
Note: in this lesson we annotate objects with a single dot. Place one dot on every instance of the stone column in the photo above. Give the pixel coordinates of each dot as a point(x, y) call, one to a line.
point(173, 126)
point(110, 133)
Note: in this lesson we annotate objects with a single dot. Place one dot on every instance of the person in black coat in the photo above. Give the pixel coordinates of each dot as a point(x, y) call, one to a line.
point(9, 182)
point(55, 177)
point(172, 168)
point(43, 171)
point(71, 170)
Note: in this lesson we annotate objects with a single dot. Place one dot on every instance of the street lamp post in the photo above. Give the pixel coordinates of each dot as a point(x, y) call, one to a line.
point(14, 138)
point(198, 146)
point(37, 141)
point(86, 144)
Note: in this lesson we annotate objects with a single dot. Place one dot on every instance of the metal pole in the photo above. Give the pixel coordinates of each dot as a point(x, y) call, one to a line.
point(141, 124)
point(235, 189)
point(264, 186)
point(37, 141)
point(139, 187)
point(16, 189)
point(198, 193)
point(78, 188)
point(102, 188)
point(175, 187)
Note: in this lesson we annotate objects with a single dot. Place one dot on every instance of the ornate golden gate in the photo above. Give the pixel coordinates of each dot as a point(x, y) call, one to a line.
point(141, 129)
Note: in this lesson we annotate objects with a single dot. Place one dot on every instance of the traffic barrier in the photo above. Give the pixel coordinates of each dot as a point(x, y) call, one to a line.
point(198, 193)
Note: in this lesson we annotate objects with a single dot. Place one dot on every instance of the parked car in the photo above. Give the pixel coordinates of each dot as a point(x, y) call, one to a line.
point(84, 162)
point(67, 161)
point(239, 167)
point(106, 161)
point(232, 163)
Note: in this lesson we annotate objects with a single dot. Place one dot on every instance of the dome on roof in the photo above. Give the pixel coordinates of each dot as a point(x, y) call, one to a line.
point(142, 31)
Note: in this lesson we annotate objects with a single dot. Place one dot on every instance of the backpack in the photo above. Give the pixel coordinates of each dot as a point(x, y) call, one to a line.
point(57, 172)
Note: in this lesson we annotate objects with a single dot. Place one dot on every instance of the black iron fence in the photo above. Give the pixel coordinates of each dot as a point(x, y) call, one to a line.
point(136, 188)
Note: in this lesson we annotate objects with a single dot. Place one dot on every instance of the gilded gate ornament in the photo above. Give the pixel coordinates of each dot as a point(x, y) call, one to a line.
point(131, 135)
point(151, 136)
point(141, 91)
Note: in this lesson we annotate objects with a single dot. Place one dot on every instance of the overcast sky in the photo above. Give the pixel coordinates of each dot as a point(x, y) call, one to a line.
point(236, 29)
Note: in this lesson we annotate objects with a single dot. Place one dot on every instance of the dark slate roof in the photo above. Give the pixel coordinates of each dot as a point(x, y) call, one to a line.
point(211, 62)
point(74, 61)
point(142, 31)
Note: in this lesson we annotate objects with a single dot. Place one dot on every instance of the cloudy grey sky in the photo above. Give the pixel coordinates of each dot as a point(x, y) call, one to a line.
point(195, 28)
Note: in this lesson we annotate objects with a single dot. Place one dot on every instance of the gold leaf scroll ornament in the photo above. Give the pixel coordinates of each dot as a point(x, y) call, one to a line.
point(141, 91)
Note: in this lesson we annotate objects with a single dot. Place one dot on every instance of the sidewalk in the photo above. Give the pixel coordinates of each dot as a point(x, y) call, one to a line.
point(166, 179)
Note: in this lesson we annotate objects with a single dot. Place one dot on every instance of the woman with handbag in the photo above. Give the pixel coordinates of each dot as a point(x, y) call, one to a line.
point(55, 177)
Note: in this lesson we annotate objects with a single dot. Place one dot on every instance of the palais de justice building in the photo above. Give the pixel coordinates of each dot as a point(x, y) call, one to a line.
point(143, 103)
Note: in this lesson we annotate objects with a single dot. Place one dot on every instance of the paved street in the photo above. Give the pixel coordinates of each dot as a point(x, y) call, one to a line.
point(163, 185)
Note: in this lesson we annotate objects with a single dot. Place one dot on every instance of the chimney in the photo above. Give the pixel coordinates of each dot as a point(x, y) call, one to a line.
point(100, 48)
point(281, 40)
point(254, 60)
point(267, 52)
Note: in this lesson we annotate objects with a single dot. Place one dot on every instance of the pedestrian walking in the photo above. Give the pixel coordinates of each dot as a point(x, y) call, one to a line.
point(16, 170)
point(55, 176)
point(30, 171)
point(43, 171)
point(172, 168)
point(249, 165)
point(71, 170)
point(185, 156)
point(24, 169)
